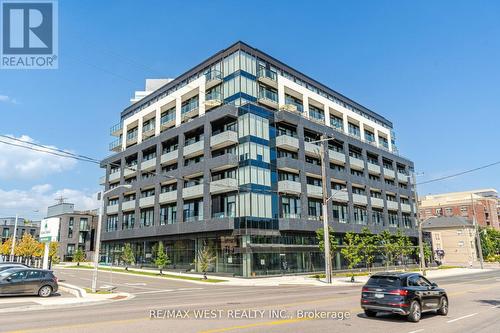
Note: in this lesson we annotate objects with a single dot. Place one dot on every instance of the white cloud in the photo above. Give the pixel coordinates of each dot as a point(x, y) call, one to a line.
point(39, 197)
point(22, 163)
point(7, 99)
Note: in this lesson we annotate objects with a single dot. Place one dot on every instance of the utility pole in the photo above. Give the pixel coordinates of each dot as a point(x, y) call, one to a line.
point(420, 233)
point(326, 231)
point(13, 240)
point(478, 236)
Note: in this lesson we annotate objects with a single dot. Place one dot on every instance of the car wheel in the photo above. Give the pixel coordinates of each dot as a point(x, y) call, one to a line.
point(415, 312)
point(370, 313)
point(45, 291)
point(443, 307)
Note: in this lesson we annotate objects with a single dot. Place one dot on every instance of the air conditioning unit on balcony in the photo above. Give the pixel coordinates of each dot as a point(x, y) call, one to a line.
point(289, 108)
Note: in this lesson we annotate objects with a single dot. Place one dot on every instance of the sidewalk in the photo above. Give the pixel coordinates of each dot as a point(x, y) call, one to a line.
point(297, 279)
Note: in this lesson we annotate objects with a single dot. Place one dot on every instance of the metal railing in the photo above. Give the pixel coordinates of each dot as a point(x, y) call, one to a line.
point(267, 73)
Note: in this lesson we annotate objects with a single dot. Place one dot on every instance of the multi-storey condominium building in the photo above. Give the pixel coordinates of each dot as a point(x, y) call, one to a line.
point(7, 225)
point(226, 156)
point(479, 204)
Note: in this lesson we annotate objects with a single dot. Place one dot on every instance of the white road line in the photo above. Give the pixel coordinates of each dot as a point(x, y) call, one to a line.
point(420, 330)
point(463, 317)
point(135, 284)
point(165, 291)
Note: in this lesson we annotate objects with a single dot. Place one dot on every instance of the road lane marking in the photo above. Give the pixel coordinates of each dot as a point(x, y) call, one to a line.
point(420, 330)
point(266, 323)
point(463, 317)
point(165, 291)
point(136, 284)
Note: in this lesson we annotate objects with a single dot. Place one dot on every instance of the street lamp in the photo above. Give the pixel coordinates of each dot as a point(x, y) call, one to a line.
point(478, 236)
point(98, 234)
point(420, 232)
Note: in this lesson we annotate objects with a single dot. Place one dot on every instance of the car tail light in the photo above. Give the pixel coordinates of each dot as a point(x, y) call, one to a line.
point(365, 290)
point(400, 292)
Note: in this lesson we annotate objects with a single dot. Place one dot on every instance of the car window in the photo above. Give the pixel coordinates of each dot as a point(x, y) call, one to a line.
point(4, 274)
point(413, 281)
point(423, 282)
point(19, 275)
point(389, 281)
point(34, 274)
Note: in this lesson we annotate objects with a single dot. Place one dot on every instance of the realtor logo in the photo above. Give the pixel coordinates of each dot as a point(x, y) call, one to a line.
point(29, 35)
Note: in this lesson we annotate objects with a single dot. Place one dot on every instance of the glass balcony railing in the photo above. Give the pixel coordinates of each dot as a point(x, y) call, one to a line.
point(268, 95)
point(148, 127)
point(116, 128)
point(267, 73)
point(299, 106)
point(337, 124)
point(316, 115)
point(214, 95)
point(132, 135)
point(222, 215)
point(291, 216)
point(167, 118)
point(115, 144)
point(186, 108)
point(213, 75)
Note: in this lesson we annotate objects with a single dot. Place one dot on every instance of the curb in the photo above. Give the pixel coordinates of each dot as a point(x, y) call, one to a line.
point(74, 290)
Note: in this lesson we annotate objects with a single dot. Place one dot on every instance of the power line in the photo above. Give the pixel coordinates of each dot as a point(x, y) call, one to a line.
point(459, 173)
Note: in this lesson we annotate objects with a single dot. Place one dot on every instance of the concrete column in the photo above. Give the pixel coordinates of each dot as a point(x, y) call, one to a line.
point(207, 209)
point(346, 123)
point(327, 115)
point(281, 93)
point(376, 137)
point(362, 131)
point(178, 105)
point(157, 121)
point(201, 99)
point(306, 105)
point(139, 131)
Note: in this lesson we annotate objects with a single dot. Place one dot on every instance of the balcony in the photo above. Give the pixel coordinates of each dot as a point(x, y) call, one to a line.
point(336, 156)
point(116, 130)
point(356, 163)
point(312, 149)
point(192, 192)
point(390, 174)
point(189, 110)
point(130, 170)
point(170, 157)
point(268, 77)
point(131, 138)
point(359, 199)
point(167, 197)
point(167, 120)
point(223, 185)
point(377, 202)
point(392, 205)
point(194, 149)
point(149, 164)
point(148, 130)
point(224, 139)
point(374, 168)
point(147, 201)
point(314, 191)
point(340, 195)
point(287, 142)
point(290, 187)
point(402, 178)
point(212, 78)
point(406, 208)
point(114, 176)
point(112, 209)
point(269, 98)
point(292, 107)
point(116, 145)
point(213, 100)
point(128, 205)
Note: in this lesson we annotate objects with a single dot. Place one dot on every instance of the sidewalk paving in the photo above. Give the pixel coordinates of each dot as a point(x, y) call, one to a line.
point(301, 279)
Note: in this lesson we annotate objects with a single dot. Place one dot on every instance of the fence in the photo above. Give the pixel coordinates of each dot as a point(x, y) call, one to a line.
point(32, 261)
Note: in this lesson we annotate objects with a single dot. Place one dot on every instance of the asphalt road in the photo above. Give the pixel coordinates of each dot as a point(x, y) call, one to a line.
point(474, 307)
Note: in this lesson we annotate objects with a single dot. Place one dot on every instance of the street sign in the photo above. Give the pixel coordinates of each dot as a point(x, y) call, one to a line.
point(49, 230)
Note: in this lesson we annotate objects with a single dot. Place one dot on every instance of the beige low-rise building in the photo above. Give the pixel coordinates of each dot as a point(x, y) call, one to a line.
point(453, 240)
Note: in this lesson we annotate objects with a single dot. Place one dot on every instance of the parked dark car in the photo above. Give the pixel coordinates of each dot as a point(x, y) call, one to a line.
point(3, 263)
point(407, 294)
point(27, 281)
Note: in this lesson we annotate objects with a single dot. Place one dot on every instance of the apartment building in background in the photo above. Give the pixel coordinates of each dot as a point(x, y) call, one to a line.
point(453, 240)
point(225, 156)
point(482, 203)
point(23, 226)
point(76, 230)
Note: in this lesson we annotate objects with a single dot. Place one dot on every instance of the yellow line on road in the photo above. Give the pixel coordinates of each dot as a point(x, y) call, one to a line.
point(266, 323)
point(50, 328)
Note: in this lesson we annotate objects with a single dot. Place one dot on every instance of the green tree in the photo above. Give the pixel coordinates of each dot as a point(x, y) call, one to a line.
point(389, 245)
point(162, 259)
point(205, 259)
point(128, 256)
point(78, 256)
point(427, 253)
point(53, 248)
point(490, 242)
point(352, 250)
point(404, 247)
point(368, 244)
point(320, 236)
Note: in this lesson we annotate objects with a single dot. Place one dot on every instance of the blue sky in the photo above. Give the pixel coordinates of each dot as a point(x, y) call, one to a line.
point(430, 67)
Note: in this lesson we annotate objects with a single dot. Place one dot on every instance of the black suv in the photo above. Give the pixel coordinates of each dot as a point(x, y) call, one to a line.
point(407, 294)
